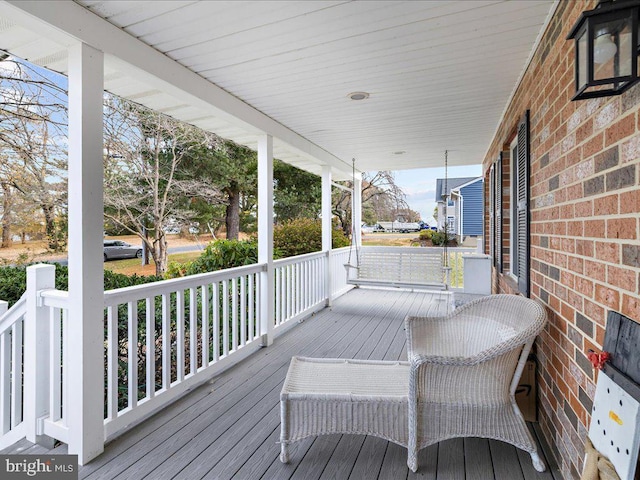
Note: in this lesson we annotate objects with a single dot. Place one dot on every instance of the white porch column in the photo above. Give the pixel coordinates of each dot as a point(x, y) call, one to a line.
point(356, 206)
point(85, 370)
point(265, 236)
point(326, 228)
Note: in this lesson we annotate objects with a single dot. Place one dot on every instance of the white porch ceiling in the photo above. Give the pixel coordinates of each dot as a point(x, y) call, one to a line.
point(439, 73)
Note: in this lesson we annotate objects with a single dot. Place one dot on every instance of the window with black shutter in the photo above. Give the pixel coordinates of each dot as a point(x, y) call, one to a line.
point(522, 209)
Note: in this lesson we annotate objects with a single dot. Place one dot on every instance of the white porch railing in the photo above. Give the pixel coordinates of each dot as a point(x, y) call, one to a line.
point(339, 257)
point(299, 286)
point(11, 371)
point(160, 339)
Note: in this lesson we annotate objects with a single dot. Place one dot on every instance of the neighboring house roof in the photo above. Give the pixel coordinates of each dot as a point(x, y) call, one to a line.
point(452, 184)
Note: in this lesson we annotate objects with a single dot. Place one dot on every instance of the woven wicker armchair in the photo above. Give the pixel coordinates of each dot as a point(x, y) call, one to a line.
point(464, 371)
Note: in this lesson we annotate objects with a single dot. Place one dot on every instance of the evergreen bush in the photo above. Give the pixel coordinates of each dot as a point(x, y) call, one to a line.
point(218, 255)
point(426, 234)
point(438, 238)
point(303, 235)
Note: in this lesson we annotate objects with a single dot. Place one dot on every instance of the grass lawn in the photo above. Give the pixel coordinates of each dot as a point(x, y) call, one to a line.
point(388, 240)
point(132, 265)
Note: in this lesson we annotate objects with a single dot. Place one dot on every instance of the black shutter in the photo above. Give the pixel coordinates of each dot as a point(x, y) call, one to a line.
point(492, 213)
point(523, 205)
point(498, 214)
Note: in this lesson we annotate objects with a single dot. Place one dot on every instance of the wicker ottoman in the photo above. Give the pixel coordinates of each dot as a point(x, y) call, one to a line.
point(322, 396)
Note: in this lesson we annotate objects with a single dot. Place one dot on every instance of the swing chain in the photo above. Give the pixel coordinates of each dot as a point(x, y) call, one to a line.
point(353, 227)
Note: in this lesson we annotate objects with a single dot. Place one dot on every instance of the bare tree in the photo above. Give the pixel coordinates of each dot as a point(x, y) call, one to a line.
point(19, 215)
point(144, 191)
point(33, 119)
point(7, 212)
point(380, 194)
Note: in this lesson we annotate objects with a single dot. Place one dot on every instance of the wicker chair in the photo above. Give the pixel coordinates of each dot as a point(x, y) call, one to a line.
point(460, 381)
point(464, 371)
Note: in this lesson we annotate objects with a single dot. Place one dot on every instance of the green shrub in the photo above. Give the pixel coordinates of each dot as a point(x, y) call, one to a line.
point(438, 238)
point(176, 269)
point(218, 255)
point(119, 280)
point(339, 239)
point(297, 237)
point(426, 234)
point(303, 235)
point(13, 282)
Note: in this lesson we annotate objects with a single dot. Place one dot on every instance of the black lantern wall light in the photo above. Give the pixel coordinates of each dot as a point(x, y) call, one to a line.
point(606, 46)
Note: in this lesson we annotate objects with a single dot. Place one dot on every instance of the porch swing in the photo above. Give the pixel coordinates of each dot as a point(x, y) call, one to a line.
point(399, 267)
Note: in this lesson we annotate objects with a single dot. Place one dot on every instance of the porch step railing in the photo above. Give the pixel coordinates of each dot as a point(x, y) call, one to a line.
point(55, 326)
point(12, 322)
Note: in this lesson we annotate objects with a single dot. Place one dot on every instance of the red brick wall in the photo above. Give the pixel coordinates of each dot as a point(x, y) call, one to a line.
point(585, 204)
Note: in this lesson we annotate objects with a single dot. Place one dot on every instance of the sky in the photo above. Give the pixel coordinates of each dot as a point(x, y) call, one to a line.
point(420, 185)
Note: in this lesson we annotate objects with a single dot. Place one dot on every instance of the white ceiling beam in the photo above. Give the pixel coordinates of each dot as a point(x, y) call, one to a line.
point(65, 20)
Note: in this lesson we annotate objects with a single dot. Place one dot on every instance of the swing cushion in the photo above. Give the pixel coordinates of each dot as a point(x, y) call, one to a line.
point(399, 267)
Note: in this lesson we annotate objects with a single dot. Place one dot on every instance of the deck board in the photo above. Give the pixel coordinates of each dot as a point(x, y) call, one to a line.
point(477, 459)
point(343, 458)
point(228, 428)
point(394, 465)
point(369, 461)
point(316, 458)
point(506, 464)
point(451, 459)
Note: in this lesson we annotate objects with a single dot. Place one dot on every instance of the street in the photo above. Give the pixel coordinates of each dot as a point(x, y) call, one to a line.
point(181, 249)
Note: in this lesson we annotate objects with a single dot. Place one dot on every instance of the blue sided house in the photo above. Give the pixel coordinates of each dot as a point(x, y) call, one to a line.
point(461, 206)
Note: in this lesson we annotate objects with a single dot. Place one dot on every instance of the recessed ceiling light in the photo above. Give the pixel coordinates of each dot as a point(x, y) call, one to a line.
point(399, 152)
point(358, 95)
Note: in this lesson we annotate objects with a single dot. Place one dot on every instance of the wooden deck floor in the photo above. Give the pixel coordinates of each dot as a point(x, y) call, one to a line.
point(229, 428)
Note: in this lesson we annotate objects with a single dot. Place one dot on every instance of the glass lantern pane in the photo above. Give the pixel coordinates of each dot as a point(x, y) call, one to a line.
point(605, 50)
point(581, 46)
point(625, 54)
